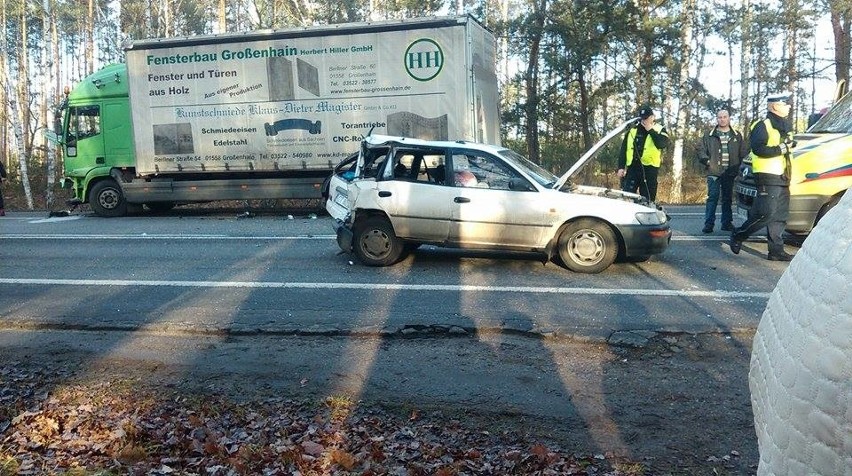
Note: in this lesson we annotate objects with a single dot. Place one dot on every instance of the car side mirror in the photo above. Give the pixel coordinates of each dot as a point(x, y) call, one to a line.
point(519, 184)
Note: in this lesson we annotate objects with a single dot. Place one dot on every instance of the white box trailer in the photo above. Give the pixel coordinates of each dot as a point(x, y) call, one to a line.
point(268, 114)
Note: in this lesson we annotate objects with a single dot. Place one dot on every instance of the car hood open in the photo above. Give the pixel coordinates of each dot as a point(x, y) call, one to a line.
point(575, 169)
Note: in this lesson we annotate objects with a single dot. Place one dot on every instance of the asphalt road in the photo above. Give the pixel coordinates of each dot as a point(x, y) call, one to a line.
point(216, 273)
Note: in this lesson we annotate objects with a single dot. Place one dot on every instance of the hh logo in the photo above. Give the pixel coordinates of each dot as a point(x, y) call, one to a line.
point(424, 59)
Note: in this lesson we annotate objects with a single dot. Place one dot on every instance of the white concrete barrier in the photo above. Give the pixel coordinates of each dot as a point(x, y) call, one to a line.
point(801, 361)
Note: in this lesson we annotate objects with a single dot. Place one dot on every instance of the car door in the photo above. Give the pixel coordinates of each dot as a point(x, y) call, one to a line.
point(419, 206)
point(494, 205)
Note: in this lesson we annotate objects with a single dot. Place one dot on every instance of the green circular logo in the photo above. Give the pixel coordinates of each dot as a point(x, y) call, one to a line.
point(424, 59)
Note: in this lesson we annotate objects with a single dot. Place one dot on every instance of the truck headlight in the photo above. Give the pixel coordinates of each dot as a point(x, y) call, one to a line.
point(656, 217)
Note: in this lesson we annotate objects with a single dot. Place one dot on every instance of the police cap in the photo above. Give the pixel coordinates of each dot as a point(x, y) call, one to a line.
point(645, 112)
point(783, 96)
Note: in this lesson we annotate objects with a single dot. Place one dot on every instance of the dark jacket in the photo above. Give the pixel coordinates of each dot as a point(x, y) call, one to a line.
point(710, 153)
point(2, 170)
point(758, 139)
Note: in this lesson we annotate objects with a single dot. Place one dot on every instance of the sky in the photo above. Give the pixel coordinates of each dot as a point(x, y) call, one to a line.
point(715, 73)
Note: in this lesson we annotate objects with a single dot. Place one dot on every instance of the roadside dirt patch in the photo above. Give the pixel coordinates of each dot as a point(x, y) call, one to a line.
point(142, 403)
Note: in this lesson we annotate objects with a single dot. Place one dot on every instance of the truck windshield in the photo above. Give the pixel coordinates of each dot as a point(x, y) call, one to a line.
point(838, 119)
point(85, 121)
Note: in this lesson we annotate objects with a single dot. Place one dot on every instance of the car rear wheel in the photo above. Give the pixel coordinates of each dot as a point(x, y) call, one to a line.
point(587, 246)
point(375, 242)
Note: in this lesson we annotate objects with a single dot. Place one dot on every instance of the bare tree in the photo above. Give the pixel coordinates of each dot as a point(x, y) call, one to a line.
point(687, 15)
point(841, 17)
point(745, 62)
point(48, 27)
point(19, 115)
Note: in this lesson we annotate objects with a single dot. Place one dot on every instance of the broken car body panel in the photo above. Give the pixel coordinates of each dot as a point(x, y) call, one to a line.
point(469, 195)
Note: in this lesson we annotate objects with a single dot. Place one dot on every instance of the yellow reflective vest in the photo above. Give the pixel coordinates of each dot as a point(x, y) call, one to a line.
point(651, 155)
point(768, 165)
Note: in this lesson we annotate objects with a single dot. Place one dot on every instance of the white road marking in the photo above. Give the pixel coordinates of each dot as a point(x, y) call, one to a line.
point(56, 219)
point(145, 236)
point(717, 294)
point(758, 239)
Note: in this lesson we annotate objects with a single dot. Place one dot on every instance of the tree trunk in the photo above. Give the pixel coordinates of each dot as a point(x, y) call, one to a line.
point(4, 62)
point(531, 78)
point(20, 141)
point(585, 113)
point(222, 23)
point(680, 128)
point(790, 73)
point(47, 24)
point(745, 61)
point(90, 39)
point(840, 22)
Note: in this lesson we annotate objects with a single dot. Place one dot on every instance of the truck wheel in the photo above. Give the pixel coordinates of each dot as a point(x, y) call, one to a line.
point(107, 199)
point(375, 243)
point(160, 207)
point(587, 246)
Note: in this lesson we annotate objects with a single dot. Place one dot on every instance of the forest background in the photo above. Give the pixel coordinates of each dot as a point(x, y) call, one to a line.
point(569, 70)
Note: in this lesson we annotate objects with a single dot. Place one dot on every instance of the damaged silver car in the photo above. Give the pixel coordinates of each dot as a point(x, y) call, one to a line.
point(400, 193)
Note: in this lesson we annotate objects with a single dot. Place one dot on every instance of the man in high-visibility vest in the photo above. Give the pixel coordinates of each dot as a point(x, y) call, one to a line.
point(641, 155)
point(771, 147)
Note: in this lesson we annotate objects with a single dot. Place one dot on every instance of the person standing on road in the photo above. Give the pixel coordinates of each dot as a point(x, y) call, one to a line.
point(2, 178)
point(721, 151)
point(641, 155)
point(771, 147)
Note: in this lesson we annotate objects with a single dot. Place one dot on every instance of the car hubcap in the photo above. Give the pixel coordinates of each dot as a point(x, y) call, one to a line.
point(108, 199)
point(586, 247)
point(375, 243)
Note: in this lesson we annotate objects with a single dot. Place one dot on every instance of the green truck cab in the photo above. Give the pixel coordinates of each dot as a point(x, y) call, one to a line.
point(97, 139)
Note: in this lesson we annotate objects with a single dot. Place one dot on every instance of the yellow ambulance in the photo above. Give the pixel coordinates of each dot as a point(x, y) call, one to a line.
point(822, 169)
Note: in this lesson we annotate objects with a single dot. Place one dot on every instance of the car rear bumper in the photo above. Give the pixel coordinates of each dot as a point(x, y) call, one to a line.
point(645, 240)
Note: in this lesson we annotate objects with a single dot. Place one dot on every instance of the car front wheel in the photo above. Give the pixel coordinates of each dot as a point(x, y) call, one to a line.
point(587, 246)
point(375, 242)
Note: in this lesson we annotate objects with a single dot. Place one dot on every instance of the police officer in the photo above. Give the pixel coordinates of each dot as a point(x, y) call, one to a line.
point(641, 155)
point(771, 146)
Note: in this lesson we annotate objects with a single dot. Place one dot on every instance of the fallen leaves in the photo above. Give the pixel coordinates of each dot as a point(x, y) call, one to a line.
point(123, 427)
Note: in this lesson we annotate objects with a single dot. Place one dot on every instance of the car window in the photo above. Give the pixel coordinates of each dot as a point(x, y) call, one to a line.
point(480, 170)
point(373, 163)
point(422, 165)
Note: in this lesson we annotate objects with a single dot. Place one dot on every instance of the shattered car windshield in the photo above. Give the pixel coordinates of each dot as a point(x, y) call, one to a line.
point(543, 177)
point(838, 119)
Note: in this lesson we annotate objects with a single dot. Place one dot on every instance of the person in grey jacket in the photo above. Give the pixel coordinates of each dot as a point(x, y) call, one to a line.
point(721, 151)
